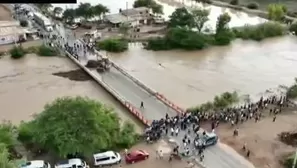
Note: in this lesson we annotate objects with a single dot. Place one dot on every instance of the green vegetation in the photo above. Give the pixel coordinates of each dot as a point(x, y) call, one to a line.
point(292, 90)
point(260, 32)
point(77, 126)
point(224, 100)
point(46, 51)
point(288, 161)
point(276, 12)
point(113, 45)
point(17, 52)
point(156, 8)
point(85, 11)
point(180, 34)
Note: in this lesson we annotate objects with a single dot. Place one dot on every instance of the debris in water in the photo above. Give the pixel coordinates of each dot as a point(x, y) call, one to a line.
point(75, 75)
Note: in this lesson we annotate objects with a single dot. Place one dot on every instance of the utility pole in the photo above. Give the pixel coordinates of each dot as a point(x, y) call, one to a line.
point(295, 159)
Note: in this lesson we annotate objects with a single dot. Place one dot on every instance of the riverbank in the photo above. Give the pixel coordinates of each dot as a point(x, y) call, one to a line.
point(259, 13)
point(18, 93)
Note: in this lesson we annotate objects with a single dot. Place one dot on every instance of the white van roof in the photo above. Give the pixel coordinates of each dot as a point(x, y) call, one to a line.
point(104, 154)
point(69, 163)
point(33, 164)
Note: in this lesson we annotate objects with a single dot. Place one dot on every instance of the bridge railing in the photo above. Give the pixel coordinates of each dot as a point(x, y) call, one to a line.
point(132, 109)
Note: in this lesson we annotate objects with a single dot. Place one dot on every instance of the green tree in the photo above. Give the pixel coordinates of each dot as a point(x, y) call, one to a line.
point(276, 12)
point(17, 52)
point(100, 10)
point(113, 45)
point(157, 9)
point(57, 11)
point(69, 15)
point(5, 162)
point(293, 28)
point(181, 17)
point(222, 22)
point(78, 126)
point(85, 11)
point(200, 17)
point(144, 3)
point(292, 90)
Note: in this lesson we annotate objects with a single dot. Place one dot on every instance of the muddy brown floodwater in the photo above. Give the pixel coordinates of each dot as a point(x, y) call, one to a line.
point(28, 84)
point(190, 78)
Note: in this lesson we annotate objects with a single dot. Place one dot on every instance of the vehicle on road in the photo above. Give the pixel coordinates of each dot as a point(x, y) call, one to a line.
point(36, 164)
point(72, 163)
point(205, 140)
point(43, 21)
point(136, 156)
point(106, 158)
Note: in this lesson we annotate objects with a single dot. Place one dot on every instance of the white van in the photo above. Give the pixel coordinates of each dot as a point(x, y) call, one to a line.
point(106, 158)
point(72, 163)
point(36, 164)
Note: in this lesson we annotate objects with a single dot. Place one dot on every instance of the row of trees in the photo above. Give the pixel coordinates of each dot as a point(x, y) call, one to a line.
point(84, 10)
point(18, 51)
point(187, 31)
point(68, 126)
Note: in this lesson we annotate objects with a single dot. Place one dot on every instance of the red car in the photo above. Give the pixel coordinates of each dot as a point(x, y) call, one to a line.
point(136, 156)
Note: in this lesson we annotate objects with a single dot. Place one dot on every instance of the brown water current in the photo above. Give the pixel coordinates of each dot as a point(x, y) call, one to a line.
point(28, 84)
point(192, 77)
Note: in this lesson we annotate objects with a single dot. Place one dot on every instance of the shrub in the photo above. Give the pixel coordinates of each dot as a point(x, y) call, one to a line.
point(113, 45)
point(24, 23)
point(259, 32)
point(47, 51)
point(253, 5)
point(32, 49)
point(17, 52)
point(293, 28)
point(234, 2)
point(288, 161)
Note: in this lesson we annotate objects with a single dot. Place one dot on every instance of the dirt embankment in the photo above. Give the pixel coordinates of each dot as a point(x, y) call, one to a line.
point(5, 13)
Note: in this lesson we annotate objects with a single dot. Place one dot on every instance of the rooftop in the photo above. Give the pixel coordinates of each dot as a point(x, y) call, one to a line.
point(117, 18)
point(10, 28)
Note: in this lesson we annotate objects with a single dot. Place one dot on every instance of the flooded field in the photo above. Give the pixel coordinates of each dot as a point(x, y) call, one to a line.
point(28, 84)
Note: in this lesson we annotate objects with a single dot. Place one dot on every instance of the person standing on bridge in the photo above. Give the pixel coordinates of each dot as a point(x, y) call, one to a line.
point(141, 104)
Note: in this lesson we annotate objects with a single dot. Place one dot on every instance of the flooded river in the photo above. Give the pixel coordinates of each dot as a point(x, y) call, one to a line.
point(28, 84)
point(190, 78)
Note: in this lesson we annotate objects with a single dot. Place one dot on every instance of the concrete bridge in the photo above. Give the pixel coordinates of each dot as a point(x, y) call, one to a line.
point(130, 92)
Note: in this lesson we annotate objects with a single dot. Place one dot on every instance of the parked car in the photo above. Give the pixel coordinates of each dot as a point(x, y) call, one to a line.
point(206, 140)
point(36, 164)
point(106, 158)
point(136, 156)
point(72, 163)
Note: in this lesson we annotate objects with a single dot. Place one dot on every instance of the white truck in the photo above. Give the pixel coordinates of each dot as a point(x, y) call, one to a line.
point(43, 21)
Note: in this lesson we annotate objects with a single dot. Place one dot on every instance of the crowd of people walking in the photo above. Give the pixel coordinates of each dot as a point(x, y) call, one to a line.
point(190, 122)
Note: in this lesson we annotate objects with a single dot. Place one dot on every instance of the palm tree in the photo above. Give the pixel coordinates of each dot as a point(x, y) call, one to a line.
point(57, 11)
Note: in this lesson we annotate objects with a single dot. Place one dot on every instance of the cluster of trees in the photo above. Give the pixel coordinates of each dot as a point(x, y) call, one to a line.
point(84, 10)
point(224, 100)
point(18, 51)
point(187, 31)
point(113, 45)
point(68, 126)
point(156, 8)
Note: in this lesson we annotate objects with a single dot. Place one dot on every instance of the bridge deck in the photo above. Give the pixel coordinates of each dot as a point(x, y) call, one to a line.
point(153, 108)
